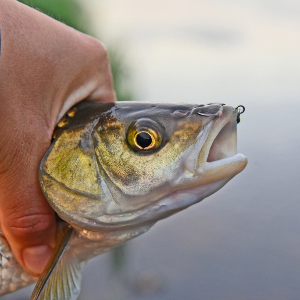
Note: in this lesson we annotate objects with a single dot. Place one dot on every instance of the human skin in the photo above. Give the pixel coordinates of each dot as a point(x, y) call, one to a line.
point(45, 68)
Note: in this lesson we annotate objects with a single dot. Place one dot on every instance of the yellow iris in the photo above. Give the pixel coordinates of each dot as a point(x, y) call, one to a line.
point(144, 135)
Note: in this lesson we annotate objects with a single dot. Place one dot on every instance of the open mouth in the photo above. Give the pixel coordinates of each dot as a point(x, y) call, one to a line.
point(214, 156)
point(225, 144)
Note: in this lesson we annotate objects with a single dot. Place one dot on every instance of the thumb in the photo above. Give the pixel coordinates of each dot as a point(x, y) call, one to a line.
point(27, 220)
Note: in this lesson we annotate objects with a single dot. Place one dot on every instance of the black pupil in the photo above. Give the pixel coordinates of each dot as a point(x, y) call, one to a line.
point(144, 139)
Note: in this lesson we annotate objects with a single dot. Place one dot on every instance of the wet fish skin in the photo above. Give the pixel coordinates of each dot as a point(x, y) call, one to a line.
point(110, 190)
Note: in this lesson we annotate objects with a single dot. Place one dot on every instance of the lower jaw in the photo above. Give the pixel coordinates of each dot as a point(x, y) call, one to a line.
point(224, 168)
point(174, 202)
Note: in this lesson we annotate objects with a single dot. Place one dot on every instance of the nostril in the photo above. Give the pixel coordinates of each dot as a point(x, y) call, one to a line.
point(209, 110)
point(207, 115)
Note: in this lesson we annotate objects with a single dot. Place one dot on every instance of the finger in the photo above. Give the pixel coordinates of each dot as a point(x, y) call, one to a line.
point(61, 66)
point(94, 82)
point(27, 220)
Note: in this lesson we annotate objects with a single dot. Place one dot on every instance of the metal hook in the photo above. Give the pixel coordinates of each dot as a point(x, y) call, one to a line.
point(240, 109)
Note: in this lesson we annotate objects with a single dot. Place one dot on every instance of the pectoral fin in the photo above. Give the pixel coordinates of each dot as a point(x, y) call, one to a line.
point(62, 276)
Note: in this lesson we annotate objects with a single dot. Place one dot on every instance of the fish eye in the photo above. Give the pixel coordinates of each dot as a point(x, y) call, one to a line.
point(144, 135)
point(143, 139)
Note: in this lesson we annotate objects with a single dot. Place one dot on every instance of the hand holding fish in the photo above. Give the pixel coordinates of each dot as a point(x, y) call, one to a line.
point(113, 169)
point(46, 67)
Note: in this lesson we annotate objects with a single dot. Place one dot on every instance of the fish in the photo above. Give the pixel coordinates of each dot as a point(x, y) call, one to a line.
point(114, 169)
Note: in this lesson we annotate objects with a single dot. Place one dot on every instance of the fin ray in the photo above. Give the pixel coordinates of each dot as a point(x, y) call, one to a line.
point(61, 278)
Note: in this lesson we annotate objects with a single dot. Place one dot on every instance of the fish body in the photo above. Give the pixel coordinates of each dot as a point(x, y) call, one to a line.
point(115, 169)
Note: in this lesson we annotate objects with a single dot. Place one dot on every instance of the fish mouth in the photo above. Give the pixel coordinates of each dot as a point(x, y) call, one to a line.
point(222, 160)
point(214, 156)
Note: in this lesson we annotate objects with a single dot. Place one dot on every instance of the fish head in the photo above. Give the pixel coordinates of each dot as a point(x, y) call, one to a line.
point(129, 164)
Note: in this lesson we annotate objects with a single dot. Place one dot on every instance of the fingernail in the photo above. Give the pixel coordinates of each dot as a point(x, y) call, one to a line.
point(36, 258)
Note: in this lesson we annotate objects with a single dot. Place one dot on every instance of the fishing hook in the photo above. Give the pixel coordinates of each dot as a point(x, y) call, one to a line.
point(240, 109)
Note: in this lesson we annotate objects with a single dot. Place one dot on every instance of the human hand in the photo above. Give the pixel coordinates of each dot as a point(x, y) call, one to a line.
point(45, 68)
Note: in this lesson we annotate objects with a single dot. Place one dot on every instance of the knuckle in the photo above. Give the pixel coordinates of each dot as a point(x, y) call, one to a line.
point(100, 48)
point(96, 46)
point(29, 225)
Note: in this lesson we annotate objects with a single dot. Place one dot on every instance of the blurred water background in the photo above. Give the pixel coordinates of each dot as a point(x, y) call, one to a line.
point(243, 242)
